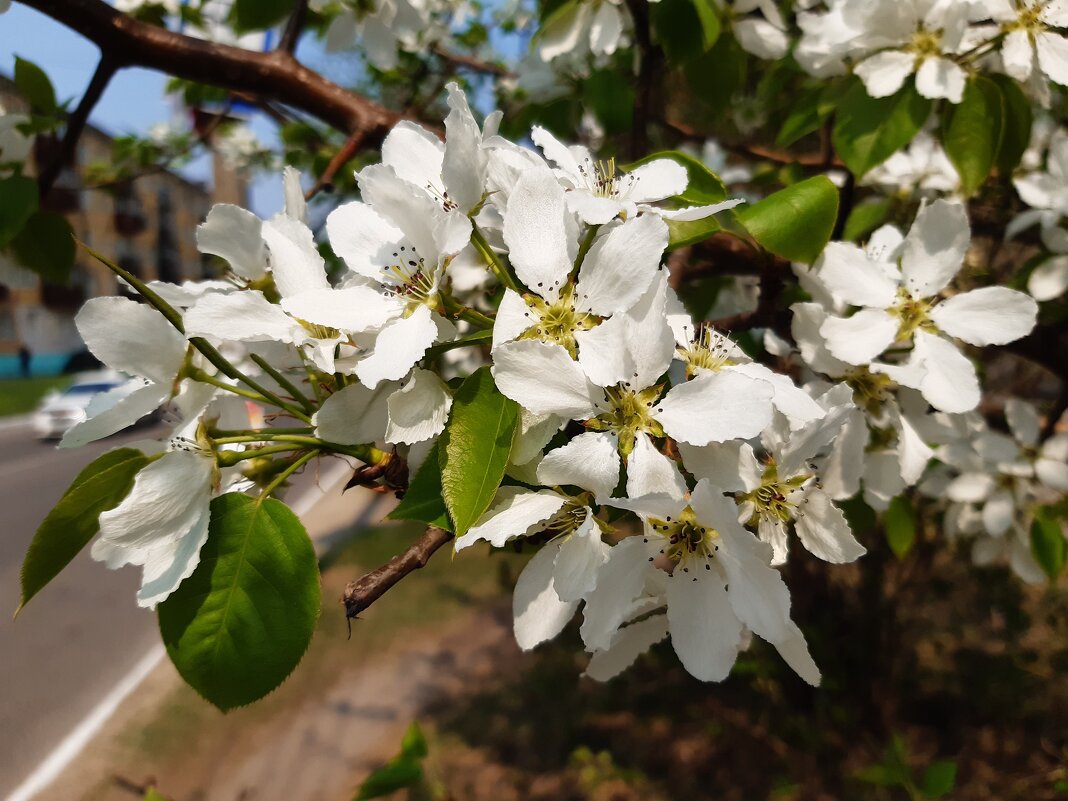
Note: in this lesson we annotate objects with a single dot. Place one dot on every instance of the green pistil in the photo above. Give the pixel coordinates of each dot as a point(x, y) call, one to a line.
point(913, 316)
point(631, 413)
point(770, 498)
point(687, 539)
point(926, 44)
point(710, 350)
point(558, 321)
point(870, 390)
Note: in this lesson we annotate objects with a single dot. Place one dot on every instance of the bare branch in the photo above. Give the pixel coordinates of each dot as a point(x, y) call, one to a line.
point(340, 159)
point(290, 36)
point(472, 63)
point(276, 75)
point(363, 592)
point(76, 123)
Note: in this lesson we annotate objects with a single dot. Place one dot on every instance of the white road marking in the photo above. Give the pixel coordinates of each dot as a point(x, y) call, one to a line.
point(82, 734)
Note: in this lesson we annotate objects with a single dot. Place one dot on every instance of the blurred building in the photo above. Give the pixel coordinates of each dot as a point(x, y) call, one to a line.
point(148, 226)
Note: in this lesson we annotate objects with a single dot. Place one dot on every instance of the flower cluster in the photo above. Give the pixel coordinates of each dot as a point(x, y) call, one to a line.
point(663, 471)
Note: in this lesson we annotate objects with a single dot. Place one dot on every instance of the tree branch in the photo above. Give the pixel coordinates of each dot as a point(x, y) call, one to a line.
point(290, 36)
point(105, 69)
point(363, 592)
point(340, 159)
point(276, 75)
point(472, 63)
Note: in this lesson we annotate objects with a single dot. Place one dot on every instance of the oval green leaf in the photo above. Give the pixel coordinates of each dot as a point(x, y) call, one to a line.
point(34, 85)
point(239, 625)
point(1016, 130)
point(423, 501)
point(795, 223)
point(474, 450)
point(45, 245)
point(868, 130)
point(900, 525)
point(18, 201)
point(1048, 545)
point(973, 130)
point(74, 521)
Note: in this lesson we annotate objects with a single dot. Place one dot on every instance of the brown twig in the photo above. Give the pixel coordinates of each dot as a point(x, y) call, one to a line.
point(105, 69)
point(341, 158)
point(650, 59)
point(294, 26)
point(276, 75)
point(472, 63)
point(363, 592)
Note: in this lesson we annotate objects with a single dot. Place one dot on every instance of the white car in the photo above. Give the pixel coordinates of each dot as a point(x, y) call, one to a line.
point(60, 410)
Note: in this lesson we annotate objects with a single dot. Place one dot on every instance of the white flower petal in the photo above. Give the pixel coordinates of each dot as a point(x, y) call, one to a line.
point(884, 73)
point(970, 488)
point(731, 466)
point(131, 337)
point(629, 643)
point(705, 632)
point(1050, 279)
point(789, 399)
point(657, 180)
point(1023, 420)
point(538, 613)
point(419, 409)
point(649, 472)
point(935, 248)
point(114, 411)
point(853, 278)
point(354, 415)
point(941, 78)
point(406, 206)
point(590, 461)
point(235, 235)
point(363, 238)
point(295, 262)
point(515, 512)
point(860, 338)
point(621, 265)
point(558, 153)
point(579, 561)
point(536, 233)
point(543, 378)
point(950, 383)
point(414, 153)
point(1018, 55)
point(241, 317)
point(761, 38)
point(353, 309)
point(998, 513)
point(594, 209)
point(398, 347)
point(1052, 51)
point(606, 29)
point(993, 315)
point(619, 582)
point(1052, 473)
point(824, 530)
point(715, 408)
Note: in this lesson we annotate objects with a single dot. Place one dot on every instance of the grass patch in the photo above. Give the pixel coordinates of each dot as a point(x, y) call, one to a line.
point(21, 395)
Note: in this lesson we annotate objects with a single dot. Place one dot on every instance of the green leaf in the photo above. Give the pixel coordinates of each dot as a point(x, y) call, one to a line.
point(795, 223)
point(393, 776)
point(868, 130)
point(45, 245)
point(18, 201)
point(256, 15)
point(474, 449)
point(611, 96)
point(684, 29)
point(708, 16)
point(972, 132)
point(34, 85)
point(900, 524)
point(689, 232)
point(423, 502)
point(69, 527)
point(1048, 545)
point(865, 218)
point(703, 187)
point(413, 745)
point(716, 76)
point(939, 779)
point(1016, 130)
point(240, 624)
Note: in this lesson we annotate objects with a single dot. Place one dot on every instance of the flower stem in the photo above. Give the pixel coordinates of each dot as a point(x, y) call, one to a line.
point(504, 275)
point(281, 477)
point(230, 458)
point(476, 338)
point(284, 382)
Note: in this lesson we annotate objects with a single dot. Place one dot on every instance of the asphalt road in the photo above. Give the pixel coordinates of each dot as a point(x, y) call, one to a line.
point(80, 635)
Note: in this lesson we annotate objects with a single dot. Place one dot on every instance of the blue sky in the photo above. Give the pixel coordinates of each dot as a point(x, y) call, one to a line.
point(134, 99)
